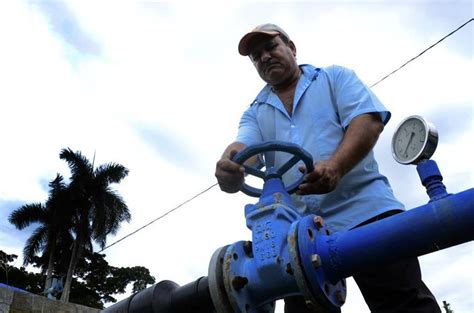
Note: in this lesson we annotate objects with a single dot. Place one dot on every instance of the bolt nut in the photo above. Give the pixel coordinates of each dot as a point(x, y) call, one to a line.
point(316, 260)
point(319, 222)
point(277, 197)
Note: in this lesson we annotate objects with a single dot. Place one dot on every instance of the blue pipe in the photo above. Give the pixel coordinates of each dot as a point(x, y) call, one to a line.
point(298, 256)
point(435, 226)
point(290, 255)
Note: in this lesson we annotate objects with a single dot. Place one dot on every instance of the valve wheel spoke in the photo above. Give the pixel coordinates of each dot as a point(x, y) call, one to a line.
point(255, 172)
point(285, 167)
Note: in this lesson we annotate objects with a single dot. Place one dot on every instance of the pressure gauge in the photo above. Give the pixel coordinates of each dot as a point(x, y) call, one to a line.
point(414, 140)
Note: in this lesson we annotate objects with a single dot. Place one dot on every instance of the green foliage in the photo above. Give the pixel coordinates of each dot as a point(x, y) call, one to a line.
point(109, 280)
point(95, 284)
point(75, 215)
point(97, 209)
point(19, 277)
point(5, 259)
point(52, 221)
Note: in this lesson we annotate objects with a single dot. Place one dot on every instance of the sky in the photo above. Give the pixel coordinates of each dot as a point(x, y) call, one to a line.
point(159, 87)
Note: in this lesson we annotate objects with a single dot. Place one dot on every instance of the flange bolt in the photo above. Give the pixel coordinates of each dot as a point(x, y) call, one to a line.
point(316, 260)
point(319, 222)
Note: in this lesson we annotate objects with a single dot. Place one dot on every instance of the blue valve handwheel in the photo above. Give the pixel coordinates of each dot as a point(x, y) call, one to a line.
point(299, 154)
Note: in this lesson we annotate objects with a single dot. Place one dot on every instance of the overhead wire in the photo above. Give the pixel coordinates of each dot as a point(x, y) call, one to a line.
point(422, 52)
point(210, 187)
point(159, 217)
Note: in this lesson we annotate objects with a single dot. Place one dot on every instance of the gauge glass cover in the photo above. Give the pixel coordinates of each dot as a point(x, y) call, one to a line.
point(414, 140)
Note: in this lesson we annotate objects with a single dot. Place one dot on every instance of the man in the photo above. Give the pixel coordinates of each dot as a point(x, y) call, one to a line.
point(336, 118)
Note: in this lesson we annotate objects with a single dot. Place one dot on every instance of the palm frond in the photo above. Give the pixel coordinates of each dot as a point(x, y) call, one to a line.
point(28, 214)
point(110, 173)
point(35, 243)
point(56, 186)
point(109, 213)
point(98, 210)
point(116, 211)
point(78, 164)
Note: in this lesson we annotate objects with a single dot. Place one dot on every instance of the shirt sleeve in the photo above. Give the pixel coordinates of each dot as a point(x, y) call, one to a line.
point(354, 98)
point(249, 131)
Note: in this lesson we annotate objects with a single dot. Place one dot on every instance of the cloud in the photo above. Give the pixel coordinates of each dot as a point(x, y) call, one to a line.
point(65, 24)
point(171, 146)
point(453, 119)
point(162, 92)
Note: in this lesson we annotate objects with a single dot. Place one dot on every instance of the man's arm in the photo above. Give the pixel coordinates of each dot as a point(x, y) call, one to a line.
point(359, 139)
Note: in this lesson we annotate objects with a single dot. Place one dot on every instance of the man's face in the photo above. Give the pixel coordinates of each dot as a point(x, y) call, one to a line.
point(274, 60)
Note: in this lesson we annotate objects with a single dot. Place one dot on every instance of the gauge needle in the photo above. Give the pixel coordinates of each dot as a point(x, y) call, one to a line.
point(409, 142)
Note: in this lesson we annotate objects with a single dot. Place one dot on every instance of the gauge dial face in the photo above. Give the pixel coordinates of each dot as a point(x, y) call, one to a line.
point(414, 140)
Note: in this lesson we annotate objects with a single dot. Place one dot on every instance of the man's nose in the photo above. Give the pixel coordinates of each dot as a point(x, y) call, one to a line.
point(265, 56)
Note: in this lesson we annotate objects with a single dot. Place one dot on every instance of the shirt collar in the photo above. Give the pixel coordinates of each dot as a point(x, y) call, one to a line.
point(266, 95)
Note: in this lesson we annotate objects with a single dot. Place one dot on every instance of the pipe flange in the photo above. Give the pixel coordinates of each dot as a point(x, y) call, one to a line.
point(216, 282)
point(320, 295)
point(312, 301)
point(311, 236)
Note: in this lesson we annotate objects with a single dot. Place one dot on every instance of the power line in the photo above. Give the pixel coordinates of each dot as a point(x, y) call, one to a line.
point(159, 217)
point(210, 187)
point(414, 58)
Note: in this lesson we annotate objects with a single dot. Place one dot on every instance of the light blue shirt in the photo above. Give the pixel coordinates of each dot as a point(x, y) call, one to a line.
point(326, 100)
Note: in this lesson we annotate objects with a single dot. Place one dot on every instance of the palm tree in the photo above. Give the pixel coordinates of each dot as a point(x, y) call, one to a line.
point(98, 210)
point(53, 217)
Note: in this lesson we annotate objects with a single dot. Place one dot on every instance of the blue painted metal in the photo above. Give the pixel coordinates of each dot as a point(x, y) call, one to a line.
point(428, 228)
point(291, 255)
point(298, 256)
point(323, 295)
point(447, 220)
point(299, 154)
point(257, 273)
point(432, 179)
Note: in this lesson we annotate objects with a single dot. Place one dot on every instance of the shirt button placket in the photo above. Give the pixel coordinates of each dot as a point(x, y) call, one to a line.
point(294, 134)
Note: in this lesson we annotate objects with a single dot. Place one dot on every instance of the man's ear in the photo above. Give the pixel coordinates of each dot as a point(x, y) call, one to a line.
point(292, 46)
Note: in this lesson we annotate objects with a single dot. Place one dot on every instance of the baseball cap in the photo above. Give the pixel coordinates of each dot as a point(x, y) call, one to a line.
point(260, 32)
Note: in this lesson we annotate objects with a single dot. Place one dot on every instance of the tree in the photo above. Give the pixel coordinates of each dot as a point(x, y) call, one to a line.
point(98, 210)
point(5, 259)
point(19, 277)
point(95, 283)
point(53, 218)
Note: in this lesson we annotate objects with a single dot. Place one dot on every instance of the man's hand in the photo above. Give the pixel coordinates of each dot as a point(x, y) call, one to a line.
point(230, 175)
point(359, 139)
point(323, 179)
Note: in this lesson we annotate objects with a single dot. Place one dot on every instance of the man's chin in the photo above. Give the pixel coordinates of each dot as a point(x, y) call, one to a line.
point(271, 70)
point(274, 76)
